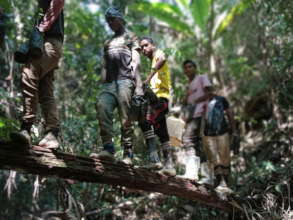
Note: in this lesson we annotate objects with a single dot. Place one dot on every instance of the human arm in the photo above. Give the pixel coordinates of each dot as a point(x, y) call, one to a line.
point(54, 10)
point(207, 95)
point(135, 64)
point(231, 120)
point(204, 82)
point(158, 65)
point(235, 140)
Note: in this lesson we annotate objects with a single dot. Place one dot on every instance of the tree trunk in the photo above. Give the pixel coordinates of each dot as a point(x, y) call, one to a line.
point(44, 162)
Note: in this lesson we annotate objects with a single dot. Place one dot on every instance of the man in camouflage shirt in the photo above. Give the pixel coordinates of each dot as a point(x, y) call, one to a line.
point(120, 82)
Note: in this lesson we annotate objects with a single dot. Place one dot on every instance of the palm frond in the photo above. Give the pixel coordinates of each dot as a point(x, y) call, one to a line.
point(184, 3)
point(167, 13)
point(200, 12)
point(238, 9)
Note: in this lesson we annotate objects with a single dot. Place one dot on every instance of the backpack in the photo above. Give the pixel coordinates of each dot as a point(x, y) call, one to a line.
point(215, 122)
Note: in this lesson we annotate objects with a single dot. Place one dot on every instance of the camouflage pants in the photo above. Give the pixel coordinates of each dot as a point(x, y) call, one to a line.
point(115, 95)
point(37, 85)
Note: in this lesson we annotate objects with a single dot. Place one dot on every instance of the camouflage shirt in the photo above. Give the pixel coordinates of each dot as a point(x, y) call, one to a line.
point(118, 56)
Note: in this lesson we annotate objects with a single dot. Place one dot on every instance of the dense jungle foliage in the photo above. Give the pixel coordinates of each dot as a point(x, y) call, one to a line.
point(246, 47)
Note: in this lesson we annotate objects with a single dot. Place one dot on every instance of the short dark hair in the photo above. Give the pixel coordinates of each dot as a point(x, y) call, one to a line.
point(148, 39)
point(191, 62)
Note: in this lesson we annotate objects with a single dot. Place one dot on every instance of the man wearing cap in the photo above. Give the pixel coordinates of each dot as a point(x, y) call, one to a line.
point(120, 82)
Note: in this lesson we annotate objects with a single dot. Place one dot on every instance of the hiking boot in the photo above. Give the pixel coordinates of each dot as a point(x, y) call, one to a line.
point(168, 168)
point(207, 175)
point(223, 192)
point(222, 189)
point(50, 141)
point(222, 181)
point(153, 165)
point(23, 137)
point(154, 162)
point(106, 154)
point(127, 160)
point(103, 155)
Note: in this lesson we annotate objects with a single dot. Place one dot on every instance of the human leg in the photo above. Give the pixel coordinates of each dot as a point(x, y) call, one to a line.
point(222, 167)
point(106, 104)
point(50, 112)
point(149, 135)
point(192, 161)
point(207, 168)
point(125, 90)
point(30, 90)
point(163, 135)
point(48, 62)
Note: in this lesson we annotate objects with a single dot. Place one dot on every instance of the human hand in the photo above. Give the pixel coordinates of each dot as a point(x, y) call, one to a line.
point(138, 91)
point(39, 28)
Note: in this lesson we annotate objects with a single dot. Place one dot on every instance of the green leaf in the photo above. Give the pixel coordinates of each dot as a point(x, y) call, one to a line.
point(2, 124)
point(5, 4)
point(185, 3)
point(234, 11)
point(167, 13)
point(200, 12)
point(168, 8)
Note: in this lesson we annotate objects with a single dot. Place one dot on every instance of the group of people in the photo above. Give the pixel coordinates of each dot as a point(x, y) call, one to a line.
point(121, 81)
point(206, 137)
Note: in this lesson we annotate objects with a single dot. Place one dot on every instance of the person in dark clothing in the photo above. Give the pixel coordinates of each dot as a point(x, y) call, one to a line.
point(216, 140)
point(121, 81)
point(38, 76)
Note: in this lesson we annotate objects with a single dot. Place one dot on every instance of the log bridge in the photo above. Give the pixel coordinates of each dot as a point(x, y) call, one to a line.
point(41, 161)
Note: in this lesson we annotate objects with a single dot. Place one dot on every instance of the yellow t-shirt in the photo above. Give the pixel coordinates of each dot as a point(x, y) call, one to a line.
point(161, 81)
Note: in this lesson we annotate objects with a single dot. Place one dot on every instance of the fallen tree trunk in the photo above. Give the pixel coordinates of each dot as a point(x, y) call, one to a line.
point(44, 162)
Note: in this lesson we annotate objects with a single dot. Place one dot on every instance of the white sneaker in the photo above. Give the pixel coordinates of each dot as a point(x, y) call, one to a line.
point(50, 141)
point(153, 165)
point(127, 160)
point(223, 187)
point(223, 192)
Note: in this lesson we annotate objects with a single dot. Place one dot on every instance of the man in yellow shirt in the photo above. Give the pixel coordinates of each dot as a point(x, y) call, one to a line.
point(159, 83)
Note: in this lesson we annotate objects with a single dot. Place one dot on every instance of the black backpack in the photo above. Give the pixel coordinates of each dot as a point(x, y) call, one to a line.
point(215, 122)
